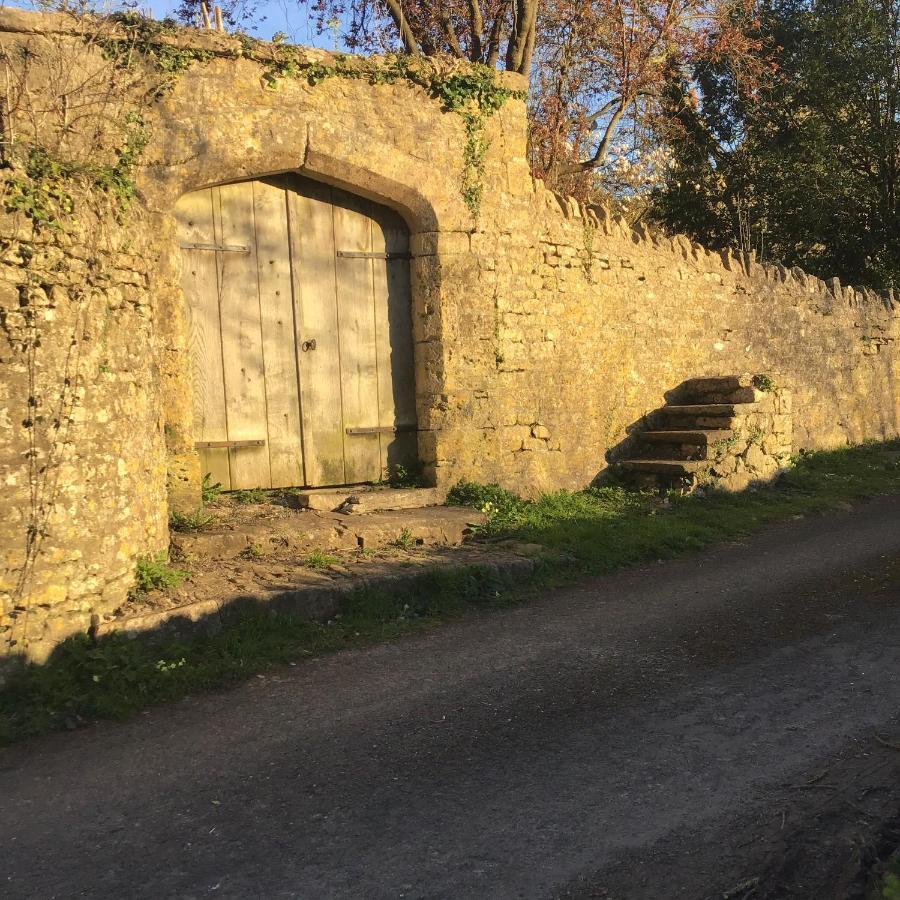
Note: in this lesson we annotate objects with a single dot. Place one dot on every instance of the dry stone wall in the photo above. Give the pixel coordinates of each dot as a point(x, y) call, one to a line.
point(83, 468)
point(544, 332)
point(584, 324)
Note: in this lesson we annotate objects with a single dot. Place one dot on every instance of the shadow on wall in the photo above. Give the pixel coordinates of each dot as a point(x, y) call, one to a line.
point(628, 446)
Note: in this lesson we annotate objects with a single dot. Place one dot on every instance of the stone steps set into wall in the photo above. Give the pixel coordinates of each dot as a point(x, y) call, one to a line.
point(727, 432)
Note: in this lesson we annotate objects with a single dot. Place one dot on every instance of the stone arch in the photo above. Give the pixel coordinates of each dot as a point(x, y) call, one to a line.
point(344, 132)
point(416, 211)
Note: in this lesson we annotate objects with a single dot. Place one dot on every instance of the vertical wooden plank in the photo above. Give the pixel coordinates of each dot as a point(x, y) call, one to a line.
point(393, 340)
point(278, 342)
point(199, 281)
point(315, 298)
point(356, 331)
point(242, 354)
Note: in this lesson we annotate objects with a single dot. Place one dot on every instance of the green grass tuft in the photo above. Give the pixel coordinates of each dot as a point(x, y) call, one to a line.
point(189, 522)
point(319, 559)
point(253, 495)
point(210, 491)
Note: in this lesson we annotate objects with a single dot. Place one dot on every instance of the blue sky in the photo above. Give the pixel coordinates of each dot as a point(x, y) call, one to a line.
point(280, 15)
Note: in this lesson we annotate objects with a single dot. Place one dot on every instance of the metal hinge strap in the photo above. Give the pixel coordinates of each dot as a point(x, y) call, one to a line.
point(362, 254)
point(224, 248)
point(382, 429)
point(231, 445)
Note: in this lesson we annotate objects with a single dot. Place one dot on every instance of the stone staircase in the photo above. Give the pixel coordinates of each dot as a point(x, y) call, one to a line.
point(728, 432)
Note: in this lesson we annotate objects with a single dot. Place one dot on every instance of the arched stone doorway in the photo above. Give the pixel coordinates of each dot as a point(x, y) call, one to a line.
point(298, 297)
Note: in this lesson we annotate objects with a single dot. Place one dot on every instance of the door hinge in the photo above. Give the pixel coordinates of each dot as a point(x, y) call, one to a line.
point(382, 429)
point(362, 254)
point(223, 248)
point(231, 445)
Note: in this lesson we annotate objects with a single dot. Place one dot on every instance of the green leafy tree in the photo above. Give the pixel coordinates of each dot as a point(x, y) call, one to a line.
point(806, 168)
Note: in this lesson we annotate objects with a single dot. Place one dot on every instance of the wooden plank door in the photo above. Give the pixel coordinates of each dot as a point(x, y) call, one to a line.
point(282, 393)
point(393, 340)
point(356, 335)
point(318, 350)
point(298, 297)
point(199, 280)
point(242, 346)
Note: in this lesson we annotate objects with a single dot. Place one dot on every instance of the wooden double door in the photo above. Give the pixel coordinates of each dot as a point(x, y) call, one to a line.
point(300, 333)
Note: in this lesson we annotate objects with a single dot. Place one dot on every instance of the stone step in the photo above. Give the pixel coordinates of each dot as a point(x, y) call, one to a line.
point(702, 423)
point(685, 444)
point(716, 384)
point(696, 437)
point(739, 395)
point(301, 532)
point(708, 410)
point(674, 468)
point(369, 498)
point(730, 389)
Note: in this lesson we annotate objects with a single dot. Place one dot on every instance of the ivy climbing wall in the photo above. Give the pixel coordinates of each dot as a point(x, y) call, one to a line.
point(543, 331)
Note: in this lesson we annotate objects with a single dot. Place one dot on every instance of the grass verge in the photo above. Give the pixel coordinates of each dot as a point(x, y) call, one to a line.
point(581, 533)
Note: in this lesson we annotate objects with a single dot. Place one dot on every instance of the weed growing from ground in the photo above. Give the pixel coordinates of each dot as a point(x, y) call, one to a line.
point(209, 492)
point(319, 559)
point(404, 540)
point(503, 508)
point(187, 522)
point(254, 495)
point(764, 383)
point(154, 573)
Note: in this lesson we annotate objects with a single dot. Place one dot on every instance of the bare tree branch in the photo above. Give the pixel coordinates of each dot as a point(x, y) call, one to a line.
point(493, 53)
point(599, 155)
point(450, 34)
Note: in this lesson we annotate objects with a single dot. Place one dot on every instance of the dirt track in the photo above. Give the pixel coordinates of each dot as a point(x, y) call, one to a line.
point(691, 729)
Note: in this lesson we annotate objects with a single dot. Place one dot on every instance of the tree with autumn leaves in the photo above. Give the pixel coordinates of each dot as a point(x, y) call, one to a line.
point(807, 170)
point(600, 70)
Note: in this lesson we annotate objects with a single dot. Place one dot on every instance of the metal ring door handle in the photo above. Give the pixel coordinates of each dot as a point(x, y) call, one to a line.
point(308, 345)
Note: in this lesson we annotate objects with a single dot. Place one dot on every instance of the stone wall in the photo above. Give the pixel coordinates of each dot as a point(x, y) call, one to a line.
point(543, 331)
point(83, 468)
point(584, 324)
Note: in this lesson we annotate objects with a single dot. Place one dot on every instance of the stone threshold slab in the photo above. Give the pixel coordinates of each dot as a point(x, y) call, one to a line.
point(369, 498)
